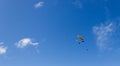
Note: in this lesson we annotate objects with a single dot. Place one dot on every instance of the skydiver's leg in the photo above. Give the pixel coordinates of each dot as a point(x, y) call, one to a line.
point(83, 41)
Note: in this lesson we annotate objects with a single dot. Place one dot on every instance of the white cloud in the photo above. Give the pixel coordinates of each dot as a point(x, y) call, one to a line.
point(39, 4)
point(108, 35)
point(25, 42)
point(103, 34)
point(3, 50)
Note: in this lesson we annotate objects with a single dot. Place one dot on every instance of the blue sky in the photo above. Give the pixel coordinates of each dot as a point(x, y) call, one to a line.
point(44, 32)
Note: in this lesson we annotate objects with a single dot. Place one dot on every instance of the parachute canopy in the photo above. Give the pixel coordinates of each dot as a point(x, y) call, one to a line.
point(80, 39)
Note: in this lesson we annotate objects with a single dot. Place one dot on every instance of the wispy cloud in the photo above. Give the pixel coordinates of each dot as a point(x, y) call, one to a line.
point(78, 3)
point(1, 43)
point(107, 12)
point(103, 33)
point(3, 49)
point(39, 4)
point(108, 35)
point(25, 42)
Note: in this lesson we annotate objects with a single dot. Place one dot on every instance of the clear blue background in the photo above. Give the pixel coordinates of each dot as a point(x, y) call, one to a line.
point(55, 26)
